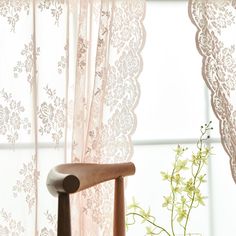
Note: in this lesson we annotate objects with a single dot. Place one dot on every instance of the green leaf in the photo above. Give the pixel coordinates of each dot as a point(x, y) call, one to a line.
point(183, 200)
point(181, 165)
point(199, 198)
point(176, 189)
point(178, 179)
point(181, 214)
point(145, 214)
point(179, 150)
point(201, 178)
point(149, 231)
point(165, 175)
point(167, 201)
point(189, 187)
point(134, 205)
point(208, 151)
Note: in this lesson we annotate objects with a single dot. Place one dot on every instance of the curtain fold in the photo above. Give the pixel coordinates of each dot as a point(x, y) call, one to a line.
point(215, 38)
point(68, 90)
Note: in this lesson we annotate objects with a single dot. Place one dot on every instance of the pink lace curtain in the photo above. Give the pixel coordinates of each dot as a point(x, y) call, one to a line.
point(216, 32)
point(68, 89)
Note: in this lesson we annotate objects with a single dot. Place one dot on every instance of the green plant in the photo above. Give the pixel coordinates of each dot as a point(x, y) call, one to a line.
point(184, 180)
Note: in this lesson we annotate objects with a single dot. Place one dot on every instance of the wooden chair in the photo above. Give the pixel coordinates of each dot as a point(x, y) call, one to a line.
point(70, 178)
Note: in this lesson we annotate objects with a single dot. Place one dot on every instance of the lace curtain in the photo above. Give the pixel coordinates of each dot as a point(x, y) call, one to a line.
point(216, 32)
point(68, 89)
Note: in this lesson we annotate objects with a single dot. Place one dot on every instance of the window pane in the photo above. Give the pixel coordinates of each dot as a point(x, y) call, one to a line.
point(172, 89)
point(223, 194)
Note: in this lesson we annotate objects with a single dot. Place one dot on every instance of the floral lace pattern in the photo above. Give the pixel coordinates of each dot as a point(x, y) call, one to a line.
point(27, 184)
point(11, 11)
point(52, 116)
point(215, 20)
point(81, 53)
point(55, 7)
point(87, 114)
point(111, 118)
point(27, 65)
point(10, 226)
point(61, 64)
point(122, 90)
point(52, 220)
point(11, 120)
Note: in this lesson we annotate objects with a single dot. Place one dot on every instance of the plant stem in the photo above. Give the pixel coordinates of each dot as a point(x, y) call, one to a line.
point(200, 143)
point(173, 196)
point(157, 226)
point(172, 213)
point(192, 200)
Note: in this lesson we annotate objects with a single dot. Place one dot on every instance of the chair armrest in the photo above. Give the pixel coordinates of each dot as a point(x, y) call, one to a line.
point(75, 177)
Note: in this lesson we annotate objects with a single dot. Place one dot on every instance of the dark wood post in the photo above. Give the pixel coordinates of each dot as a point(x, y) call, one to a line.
point(64, 225)
point(119, 208)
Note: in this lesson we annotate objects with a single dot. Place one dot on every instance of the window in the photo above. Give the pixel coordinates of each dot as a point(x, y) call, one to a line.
point(174, 103)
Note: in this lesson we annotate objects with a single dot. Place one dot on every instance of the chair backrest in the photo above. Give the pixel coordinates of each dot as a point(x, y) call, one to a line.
point(66, 179)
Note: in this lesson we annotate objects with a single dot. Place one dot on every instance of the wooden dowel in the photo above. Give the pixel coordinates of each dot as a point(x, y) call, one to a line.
point(64, 226)
point(119, 208)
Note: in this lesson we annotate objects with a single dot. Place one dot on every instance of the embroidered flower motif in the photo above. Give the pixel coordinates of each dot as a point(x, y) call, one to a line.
point(123, 121)
point(219, 14)
point(61, 64)
point(15, 120)
point(46, 232)
point(4, 231)
point(46, 112)
point(220, 69)
point(12, 9)
point(27, 184)
point(10, 226)
point(82, 53)
point(27, 65)
point(52, 116)
point(126, 27)
point(51, 230)
point(4, 117)
point(59, 118)
point(55, 7)
point(11, 121)
point(128, 64)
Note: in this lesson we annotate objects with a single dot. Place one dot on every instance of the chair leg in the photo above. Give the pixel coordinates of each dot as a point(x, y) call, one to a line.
point(64, 226)
point(119, 208)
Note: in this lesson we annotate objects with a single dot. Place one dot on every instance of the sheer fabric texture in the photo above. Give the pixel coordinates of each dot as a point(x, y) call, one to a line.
point(216, 31)
point(68, 89)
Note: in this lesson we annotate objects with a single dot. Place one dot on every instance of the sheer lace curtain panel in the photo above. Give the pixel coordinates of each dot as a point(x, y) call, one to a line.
point(216, 32)
point(68, 89)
